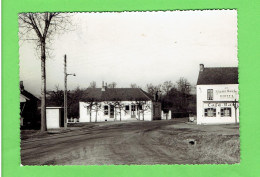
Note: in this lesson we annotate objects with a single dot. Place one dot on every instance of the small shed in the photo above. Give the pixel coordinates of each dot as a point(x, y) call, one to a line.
point(54, 117)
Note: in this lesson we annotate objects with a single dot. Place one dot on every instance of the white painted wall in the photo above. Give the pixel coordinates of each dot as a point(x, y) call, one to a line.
point(84, 113)
point(166, 116)
point(223, 96)
point(53, 118)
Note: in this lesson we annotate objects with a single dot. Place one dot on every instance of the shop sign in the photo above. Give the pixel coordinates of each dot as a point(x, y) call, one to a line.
point(226, 93)
point(214, 105)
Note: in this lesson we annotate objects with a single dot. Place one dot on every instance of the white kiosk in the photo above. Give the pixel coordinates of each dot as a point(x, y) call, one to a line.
point(54, 117)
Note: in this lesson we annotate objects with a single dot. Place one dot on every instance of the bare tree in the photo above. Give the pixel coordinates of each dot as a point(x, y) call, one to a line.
point(154, 89)
point(120, 107)
point(183, 86)
point(74, 98)
point(112, 85)
point(151, 89)
point(142, 106)
point(91, 103)
point(55, 97)
point(41, 27)
point(166, 87)
point(92, 85)
point(133, 85)
point(97, 106)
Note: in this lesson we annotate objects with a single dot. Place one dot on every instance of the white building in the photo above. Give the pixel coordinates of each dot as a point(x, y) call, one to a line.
point(217, 95)
point(116, 104)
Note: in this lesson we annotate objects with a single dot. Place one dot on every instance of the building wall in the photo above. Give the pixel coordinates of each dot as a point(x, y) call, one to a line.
point(100, 115)
point(28, 113)
point(224, 96)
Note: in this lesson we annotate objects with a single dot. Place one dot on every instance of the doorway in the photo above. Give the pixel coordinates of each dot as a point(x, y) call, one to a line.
point(133, 111)
point(112, 112)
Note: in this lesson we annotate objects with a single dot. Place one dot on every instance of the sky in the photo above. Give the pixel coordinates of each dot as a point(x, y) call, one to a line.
point(134, 47)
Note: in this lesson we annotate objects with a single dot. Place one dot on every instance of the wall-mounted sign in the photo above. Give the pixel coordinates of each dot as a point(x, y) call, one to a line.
point(214, 105)
point(226, 94)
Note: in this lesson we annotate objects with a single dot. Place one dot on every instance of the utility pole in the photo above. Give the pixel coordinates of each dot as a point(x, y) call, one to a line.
point(65, 91)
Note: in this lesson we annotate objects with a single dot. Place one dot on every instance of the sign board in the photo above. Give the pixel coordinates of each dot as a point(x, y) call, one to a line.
point(226, 94)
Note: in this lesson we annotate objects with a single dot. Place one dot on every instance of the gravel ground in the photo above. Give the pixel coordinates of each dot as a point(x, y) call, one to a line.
point(126, 143)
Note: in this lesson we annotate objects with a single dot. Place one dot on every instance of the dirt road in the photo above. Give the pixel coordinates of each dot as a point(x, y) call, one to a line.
point(157, 142)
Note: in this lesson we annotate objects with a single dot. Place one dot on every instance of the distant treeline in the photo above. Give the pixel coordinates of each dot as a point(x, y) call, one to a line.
point(175, 97)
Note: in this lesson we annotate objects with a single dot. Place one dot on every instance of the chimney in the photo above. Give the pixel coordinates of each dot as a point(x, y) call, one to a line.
point(103, 87)
point(21, 86)
point(201, 67)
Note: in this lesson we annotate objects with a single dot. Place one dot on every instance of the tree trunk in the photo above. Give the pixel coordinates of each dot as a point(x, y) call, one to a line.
point(43, 88)
point(90, 115)
point(235, 114)
point(138, 112)
point(96, 115)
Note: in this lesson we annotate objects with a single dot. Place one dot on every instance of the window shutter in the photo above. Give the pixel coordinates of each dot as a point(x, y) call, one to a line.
point(206, 112)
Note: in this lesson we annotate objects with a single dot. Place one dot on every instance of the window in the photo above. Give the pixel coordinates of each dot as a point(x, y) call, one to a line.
point(210, 112)
point(133, 107)
point(210, 94)
point(127, 109)
point(225, 112)
point(105, 110)
point(140, 107)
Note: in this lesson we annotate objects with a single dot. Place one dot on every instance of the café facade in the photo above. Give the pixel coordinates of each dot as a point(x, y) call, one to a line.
point(217, 95)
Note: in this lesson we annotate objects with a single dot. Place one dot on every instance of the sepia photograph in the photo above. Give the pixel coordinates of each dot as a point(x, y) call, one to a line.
point(129, 88)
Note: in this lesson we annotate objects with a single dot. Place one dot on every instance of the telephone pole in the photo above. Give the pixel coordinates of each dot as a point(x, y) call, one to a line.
point(65, 91)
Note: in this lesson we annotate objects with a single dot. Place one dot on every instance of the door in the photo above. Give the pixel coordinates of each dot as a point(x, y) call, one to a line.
point(112, 112)
point(133, 111)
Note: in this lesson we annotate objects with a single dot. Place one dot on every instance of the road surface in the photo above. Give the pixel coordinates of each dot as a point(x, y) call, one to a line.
point(114, 143)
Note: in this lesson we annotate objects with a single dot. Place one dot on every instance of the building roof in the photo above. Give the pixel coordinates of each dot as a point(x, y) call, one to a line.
point(218, 75)
point(28, 96)
point(115, 94)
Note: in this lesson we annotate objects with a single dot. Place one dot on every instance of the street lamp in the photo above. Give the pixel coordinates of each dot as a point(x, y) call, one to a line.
point(65, 90)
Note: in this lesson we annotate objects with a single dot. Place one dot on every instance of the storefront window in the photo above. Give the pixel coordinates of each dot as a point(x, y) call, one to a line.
point(210, 112)
point(225, 112)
